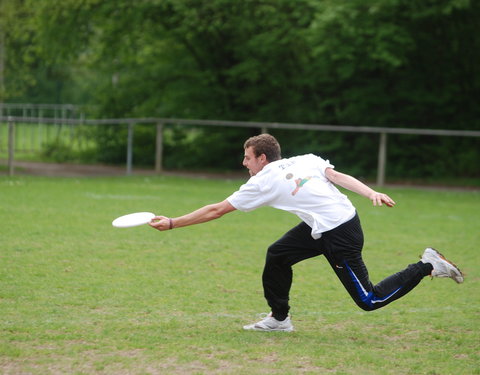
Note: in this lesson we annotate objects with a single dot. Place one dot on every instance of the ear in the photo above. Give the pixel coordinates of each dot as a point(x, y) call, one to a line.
point(263, 158)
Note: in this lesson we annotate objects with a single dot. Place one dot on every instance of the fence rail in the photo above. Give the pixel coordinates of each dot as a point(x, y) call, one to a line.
point(42, 110)
point(383, 133)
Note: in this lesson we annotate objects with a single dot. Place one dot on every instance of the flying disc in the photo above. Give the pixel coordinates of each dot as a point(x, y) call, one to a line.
point(133, 220)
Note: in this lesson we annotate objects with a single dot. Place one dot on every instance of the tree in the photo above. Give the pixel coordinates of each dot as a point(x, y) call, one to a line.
point(381, 63)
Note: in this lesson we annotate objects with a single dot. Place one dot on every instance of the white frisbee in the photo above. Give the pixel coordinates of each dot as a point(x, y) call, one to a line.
point(133, 220)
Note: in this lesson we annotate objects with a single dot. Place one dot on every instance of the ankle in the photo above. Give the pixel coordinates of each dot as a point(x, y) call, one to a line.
point(427, 268)
point(279, 316)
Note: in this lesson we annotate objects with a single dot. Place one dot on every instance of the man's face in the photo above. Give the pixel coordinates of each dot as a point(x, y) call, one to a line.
point(253, 163)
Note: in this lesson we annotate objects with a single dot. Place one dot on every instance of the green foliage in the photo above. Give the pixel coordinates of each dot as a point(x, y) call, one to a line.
point(61, 151)
point(376, 63)
point(57, 151)
point(195, 148)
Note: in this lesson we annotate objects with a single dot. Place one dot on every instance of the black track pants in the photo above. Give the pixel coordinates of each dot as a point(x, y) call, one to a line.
point(342, 247)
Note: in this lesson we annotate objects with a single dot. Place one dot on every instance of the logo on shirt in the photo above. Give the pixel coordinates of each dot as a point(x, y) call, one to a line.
point(298, 181)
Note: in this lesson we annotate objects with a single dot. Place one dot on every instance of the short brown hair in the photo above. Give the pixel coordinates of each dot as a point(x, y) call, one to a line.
point(264, 144)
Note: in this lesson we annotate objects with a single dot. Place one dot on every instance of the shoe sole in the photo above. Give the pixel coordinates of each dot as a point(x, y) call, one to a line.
point(268, 330)
point(253, 328)
point(453, 275)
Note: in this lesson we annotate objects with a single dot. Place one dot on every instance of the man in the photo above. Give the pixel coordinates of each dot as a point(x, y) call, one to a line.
point(305, 185)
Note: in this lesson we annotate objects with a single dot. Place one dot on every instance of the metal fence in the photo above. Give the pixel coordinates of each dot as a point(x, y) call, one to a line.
point(159, 123)
point(32, 141)
point(56, 111)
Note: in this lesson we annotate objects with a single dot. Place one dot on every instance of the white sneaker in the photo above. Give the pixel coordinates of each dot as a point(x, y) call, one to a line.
point(441, 266)
point(269, 323)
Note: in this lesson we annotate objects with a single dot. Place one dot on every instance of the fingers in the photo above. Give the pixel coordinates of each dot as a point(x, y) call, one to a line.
point(379, 198)
point(160, 222)
point(390, 202)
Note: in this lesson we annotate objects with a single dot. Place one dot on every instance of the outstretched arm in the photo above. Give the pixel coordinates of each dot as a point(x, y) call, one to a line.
point(348, 182)
point(202, 215)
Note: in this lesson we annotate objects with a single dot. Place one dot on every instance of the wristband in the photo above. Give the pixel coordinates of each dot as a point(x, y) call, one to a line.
point(171, 223)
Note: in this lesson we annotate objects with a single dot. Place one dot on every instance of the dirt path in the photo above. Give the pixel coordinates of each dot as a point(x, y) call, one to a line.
point(81, 170)
point(66, 170)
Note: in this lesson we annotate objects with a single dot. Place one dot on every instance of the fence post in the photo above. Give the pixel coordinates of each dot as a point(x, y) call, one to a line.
point(130, 148)
point(159, 149)
point(1, 124)
point(382, 160)
point(11, 147)
point(40, 128)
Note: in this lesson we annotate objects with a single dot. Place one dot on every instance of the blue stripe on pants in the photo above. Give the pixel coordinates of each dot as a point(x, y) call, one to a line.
point(367, 297)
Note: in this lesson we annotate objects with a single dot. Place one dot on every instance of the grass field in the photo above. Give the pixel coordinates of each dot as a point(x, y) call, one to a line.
point(78, 296)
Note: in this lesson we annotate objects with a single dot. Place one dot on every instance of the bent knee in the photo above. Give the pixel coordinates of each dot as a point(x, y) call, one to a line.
point(366, 307)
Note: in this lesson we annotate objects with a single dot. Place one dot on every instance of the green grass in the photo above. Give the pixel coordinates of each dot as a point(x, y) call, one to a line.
point(78, 296)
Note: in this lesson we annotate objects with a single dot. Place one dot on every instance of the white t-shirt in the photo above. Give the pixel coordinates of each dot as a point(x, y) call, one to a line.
point(297, 185)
